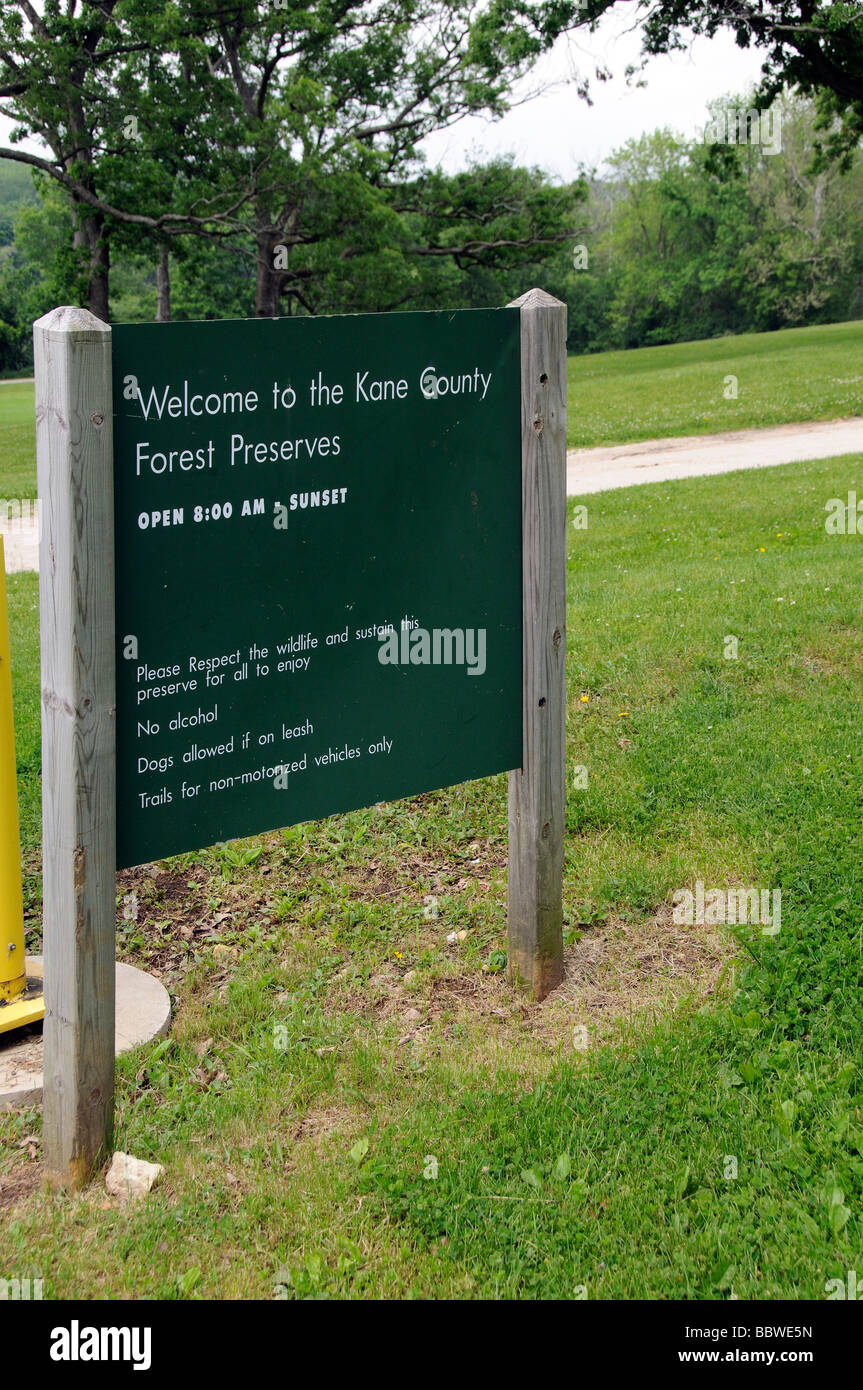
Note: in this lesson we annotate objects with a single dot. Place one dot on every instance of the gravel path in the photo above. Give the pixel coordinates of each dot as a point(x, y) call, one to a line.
point(691, 456)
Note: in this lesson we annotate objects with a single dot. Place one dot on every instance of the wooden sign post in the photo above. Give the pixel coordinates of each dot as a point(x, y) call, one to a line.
point(74, 457)
point(537, 788)
point(363, 488)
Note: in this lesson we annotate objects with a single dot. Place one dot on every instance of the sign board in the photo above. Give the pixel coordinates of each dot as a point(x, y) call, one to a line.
point(287, 568)
point(318, 548)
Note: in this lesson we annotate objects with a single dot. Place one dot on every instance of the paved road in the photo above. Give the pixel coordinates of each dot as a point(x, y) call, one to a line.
point(660, 460)
point(623, 465)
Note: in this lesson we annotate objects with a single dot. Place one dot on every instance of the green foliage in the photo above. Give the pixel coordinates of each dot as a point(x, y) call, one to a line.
point(276, 130)
point(687, 239)
point(278, 156)
point(36, 267)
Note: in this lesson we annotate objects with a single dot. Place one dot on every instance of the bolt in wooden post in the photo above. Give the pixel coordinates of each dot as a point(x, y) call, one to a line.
point(537, 788)
point(74, 457)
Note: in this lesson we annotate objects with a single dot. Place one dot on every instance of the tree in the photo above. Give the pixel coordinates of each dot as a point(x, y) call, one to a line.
point(284, 131)
point(805, 264)
point(79, 75)
point(34, 268)
point(245, 119)
point(455, 239)
point(688, 239)
point(326, 119)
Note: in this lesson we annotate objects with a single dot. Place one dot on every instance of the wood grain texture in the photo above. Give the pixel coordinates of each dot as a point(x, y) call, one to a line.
point(537, 789)
point(74, 455)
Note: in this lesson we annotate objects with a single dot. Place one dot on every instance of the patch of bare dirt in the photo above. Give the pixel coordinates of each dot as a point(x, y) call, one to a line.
point(841, 657)
point(619, 972)
point(18, 1184)
point(477, 864)
point(165, 919)
point(321, 1124)
point(628, 969)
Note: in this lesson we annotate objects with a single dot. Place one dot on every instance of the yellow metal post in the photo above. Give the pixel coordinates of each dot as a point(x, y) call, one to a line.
point(19, 1003)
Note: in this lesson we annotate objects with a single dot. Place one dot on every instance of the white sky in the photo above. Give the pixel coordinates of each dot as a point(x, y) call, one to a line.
point(559, 131)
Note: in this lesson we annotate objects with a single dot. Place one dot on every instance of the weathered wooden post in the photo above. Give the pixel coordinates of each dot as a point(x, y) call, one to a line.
point(537, 789)
point(76, 603)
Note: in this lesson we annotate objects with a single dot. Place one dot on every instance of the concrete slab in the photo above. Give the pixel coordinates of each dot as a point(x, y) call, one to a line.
point(19, 527)
point(143, 1014)
point(22, 550)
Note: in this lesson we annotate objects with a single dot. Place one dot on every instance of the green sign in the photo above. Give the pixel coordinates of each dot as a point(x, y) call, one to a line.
point(318, 567)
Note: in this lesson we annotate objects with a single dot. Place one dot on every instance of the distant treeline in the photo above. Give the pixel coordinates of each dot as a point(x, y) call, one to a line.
point(690, 240)
point(675, 240)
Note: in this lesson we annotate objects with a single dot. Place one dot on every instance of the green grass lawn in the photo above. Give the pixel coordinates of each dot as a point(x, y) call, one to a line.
point(17, 440)
point(703, 1134)
point(22, 593)
point(654, 393)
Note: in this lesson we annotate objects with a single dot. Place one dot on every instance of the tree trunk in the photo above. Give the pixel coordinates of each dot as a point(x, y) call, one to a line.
point(163, 286)
point(91, 238)
point(100, 271)
point(268, 281)
point(270, 270)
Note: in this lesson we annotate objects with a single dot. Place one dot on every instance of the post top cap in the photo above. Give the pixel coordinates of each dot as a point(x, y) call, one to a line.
point(536, 299)
point(69, 318)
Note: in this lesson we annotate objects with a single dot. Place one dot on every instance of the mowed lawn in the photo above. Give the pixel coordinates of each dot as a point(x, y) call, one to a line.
point(654, 393)
point(17, 440)
point(350, 1105)
point(617, 397)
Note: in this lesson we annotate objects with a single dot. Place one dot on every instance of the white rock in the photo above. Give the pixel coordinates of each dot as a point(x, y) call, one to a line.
point(130, 1177)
